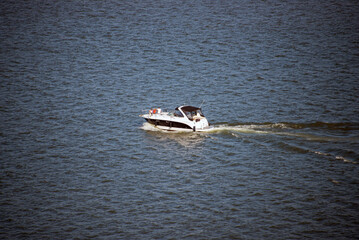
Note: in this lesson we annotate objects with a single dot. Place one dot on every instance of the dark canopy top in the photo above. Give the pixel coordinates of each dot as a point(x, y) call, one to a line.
point(189, 108)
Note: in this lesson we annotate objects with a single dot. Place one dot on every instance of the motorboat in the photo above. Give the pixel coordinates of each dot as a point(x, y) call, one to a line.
point(183, 118)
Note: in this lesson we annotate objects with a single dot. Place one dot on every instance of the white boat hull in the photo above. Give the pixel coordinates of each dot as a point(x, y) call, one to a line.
point(175, 129)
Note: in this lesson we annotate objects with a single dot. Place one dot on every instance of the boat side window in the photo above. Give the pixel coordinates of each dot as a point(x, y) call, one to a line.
point(177, 113)
point(189, 115)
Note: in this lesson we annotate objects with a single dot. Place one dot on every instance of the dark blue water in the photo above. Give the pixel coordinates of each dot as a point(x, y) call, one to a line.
point(280, 85)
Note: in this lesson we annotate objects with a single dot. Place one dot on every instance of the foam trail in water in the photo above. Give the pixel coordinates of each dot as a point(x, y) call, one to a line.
point(266, 128)
point(278, 129)
point(336, 157)
point(274, 129)
point(241, 128)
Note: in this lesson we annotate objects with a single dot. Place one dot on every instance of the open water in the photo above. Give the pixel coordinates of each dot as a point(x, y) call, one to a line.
point(280, 85)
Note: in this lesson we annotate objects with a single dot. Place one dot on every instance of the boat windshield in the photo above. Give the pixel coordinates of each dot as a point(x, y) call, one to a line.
point(177, 113)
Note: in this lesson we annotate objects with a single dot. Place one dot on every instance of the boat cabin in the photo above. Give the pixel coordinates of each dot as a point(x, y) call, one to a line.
point(191, 112)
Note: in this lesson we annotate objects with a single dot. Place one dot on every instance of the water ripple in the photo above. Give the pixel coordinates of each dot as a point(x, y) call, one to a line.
point(279, 85)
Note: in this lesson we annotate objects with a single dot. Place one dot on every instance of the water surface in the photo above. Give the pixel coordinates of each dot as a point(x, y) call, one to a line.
point(279, 81)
